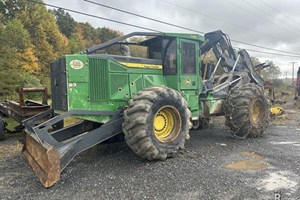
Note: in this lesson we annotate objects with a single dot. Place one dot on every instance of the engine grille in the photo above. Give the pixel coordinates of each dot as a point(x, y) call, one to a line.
point(98, 79)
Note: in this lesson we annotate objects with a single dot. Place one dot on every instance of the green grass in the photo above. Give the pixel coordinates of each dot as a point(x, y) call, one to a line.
point(11, 123)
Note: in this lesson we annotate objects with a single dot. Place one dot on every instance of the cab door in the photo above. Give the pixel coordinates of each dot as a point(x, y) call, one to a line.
point(188, 63)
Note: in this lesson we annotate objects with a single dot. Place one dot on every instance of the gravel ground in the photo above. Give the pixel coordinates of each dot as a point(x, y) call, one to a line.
point(213, 166)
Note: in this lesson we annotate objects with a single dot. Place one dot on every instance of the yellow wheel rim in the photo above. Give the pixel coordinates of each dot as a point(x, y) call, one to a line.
point(256, 113)
point(166, 124)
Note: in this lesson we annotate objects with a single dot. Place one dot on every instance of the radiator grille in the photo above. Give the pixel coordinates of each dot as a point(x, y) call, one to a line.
point(98, 79)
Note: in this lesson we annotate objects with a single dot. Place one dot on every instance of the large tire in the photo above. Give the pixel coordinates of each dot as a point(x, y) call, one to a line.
point(156, 123)
point(247, 111)
point(2, 128)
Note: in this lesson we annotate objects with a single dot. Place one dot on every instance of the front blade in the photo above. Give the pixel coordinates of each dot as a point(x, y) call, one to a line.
point(43, 159)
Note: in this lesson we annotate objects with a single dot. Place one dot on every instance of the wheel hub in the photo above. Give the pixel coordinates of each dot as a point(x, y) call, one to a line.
point(166, 123)
point(160, 122)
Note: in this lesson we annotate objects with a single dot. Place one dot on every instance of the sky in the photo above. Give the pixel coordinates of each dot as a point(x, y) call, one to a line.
point(270, 23)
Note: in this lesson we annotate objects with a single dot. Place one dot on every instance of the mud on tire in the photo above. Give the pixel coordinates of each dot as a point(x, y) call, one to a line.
point(156, 123)
point(247, 111)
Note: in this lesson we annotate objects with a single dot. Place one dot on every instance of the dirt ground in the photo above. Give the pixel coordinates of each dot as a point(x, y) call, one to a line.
point(213, 166)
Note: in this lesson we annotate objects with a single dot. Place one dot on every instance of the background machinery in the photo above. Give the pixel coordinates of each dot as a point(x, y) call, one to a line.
point(297, 88)
point(23, 109)
point(154, 101)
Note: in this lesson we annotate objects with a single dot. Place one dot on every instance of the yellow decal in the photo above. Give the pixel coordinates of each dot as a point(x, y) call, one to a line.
point(142, 65)
point(76, 64)
point(187, 81)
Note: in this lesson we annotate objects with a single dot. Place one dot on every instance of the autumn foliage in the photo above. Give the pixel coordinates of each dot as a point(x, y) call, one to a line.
point(31, 37)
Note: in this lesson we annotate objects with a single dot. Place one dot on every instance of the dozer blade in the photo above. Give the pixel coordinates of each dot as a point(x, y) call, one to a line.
point(48, 153)
point(43, 159)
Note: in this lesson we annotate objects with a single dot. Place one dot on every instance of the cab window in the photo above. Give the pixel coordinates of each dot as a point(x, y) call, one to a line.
point(188, 57)
point(169, 46)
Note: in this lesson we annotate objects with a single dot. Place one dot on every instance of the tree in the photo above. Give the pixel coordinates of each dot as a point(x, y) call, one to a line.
point(48, 42)
point(91, 36)
point(28, 61)
point(65, 22)
point(15, 52)
point(271, 72)
point(15, 35)
point(255, 61)
point(10, 8)
point(138, 51)
point(75, 43)
point(30, 40)
point(106, 34)
point(87, 33)
point(17, 40)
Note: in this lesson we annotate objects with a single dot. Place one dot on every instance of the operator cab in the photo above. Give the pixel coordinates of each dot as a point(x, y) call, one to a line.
point(178, 55)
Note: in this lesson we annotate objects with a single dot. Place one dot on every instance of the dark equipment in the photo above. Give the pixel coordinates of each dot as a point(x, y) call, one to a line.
point(297, 89)
point(23, 109)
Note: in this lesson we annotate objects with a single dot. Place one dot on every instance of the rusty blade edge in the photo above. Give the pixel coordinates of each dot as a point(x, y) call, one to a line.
point(51, 174)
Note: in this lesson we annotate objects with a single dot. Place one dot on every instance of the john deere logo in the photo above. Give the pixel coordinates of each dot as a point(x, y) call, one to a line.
point(76, 64)
point(187, 81)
